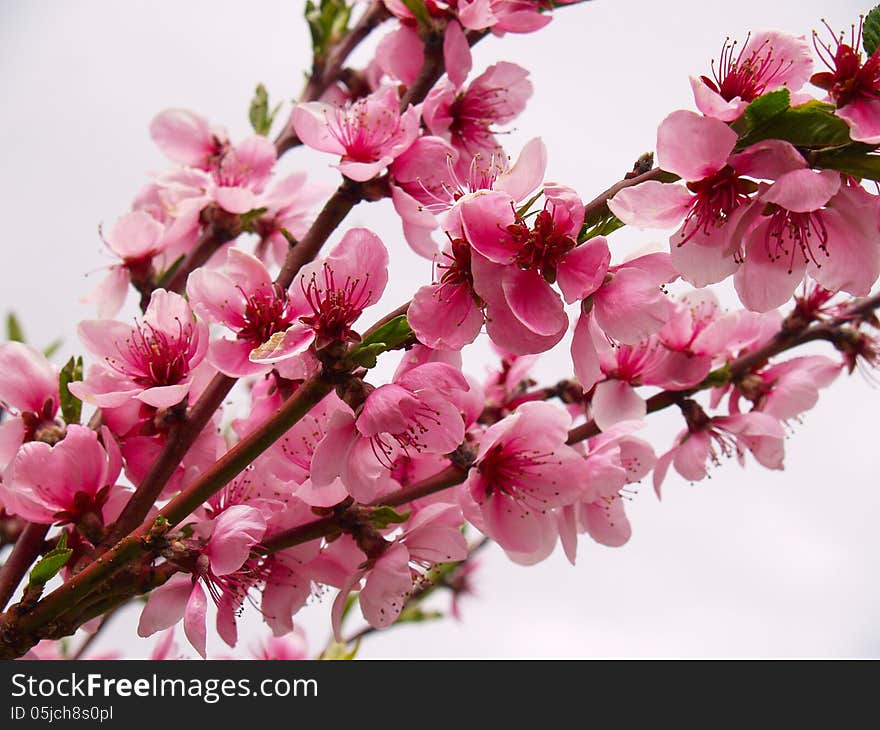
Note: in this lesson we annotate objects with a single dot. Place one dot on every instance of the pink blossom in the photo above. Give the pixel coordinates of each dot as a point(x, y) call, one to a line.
point(415, 414)
point(807, 223)
point(289, 203)
point(768, 60)
point(152, 361)
point(368, 134)
point(28, 397)
point(290, 647)
point(224, 570)
point(467, 117)
point(246, 300)
point(329, 295)
point(47, 484)
point(432, 536)
point(136, 238)
point(853, 84)
point(616, 458)
point(715, 204)
point(186, 138)
point(426, 185)
point(708, 439)
point(523, 470)
point(519, 262)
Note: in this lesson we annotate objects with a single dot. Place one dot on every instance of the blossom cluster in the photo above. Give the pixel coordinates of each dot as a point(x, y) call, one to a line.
point(766, 182)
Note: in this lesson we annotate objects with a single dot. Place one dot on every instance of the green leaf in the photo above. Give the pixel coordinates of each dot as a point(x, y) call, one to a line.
point(853, 160)
point(339, 651)
point(524, 208)
point(381, 517)
point(765, 108)
point(14, 332)
point(167, 275)
point(391, 334)
point(248, 219)
point(420, 10)
point(259, 114)
point(51, 563)
point(416, 614)
point(328, 22)
point(367, 356)
point(52, 347)
point(871, 31)
point(811, 125)
point(604, 227)
point(71, 406)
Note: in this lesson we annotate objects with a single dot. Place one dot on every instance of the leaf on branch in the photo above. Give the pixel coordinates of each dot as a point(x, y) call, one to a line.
point(250, 218)
point(853, 160)
point(14, 332)
point(390, 336)
point(765, 108)
point(339, 651)
point(812, 125)
point(328, 22)
point(168, 274)
point(51, 563)
point(259, 114)
point(871, 31)
point(420, 11)
point(381, 517)
point(416, 614)
point(71, 406)
point(603, 227)
point(52, 347)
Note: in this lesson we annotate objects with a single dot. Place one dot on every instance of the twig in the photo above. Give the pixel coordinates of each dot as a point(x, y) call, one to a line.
point(25, 551)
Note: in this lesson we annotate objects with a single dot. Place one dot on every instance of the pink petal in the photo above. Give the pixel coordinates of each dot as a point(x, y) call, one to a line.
point(615, 401)
point(387, 586)
point(165, 605)
point(583, 270)
point(652, 204)
point(804, 190)
point(484, 217)
point(693, 146)
point(311, 122)
point(456, 53)
point(533, 302)
point(194, 619)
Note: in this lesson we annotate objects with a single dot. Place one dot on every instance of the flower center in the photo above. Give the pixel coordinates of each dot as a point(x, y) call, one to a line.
point(542, 246)
point(335, 306)
point(267, 311)
point(790, 232)
point(156, 358)
point(746, 77)
point(715, 198)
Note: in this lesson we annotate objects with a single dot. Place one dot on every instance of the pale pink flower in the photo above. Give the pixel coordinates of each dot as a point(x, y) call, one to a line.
point(329, 295)
point(62, 483)
point(708, 439)
point(289, 204)
point(426, 185)
point(367, 134)
point(714, 196)
point(808, 223)
point(415, 414)
point(767, 61)
point(523, 471)
point(290, 647)
point(467, 117)
point(225, 571)
point(152, 361)
point(187, 138)
point(243, 298)
point(615, 459)
point(136, 238)
point(431, 536)
point(28, 395)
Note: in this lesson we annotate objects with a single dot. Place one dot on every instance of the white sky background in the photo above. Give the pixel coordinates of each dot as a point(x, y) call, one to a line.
point(750, 562)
